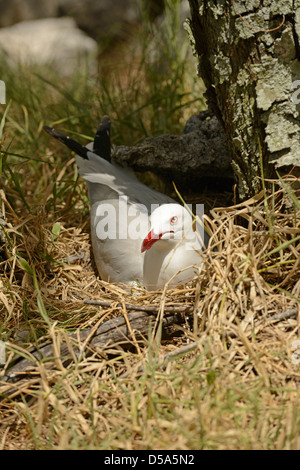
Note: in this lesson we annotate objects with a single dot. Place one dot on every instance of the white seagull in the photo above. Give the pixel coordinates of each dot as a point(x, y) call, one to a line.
point(138, 234)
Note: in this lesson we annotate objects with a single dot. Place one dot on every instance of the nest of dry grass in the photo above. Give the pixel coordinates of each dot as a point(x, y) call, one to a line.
point(226, 375)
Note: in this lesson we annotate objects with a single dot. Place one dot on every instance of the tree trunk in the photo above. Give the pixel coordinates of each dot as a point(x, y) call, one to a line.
point(248, 54)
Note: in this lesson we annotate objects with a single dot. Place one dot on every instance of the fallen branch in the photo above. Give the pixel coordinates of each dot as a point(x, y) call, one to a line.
point(114, 332)
point(142, 308)
point(291, 313)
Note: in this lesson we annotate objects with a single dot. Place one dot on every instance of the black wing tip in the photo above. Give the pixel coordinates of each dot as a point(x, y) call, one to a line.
point(49, 129)
point(54, 132)
point(104, 125)
point(105, 119)
point(70, 143)
point(102, 139)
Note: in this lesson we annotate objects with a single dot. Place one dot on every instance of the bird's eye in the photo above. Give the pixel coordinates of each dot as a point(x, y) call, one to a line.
point(174, 220)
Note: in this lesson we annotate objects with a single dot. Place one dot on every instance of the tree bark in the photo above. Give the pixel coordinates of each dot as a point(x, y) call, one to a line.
point(111, 333)
point(248, 53)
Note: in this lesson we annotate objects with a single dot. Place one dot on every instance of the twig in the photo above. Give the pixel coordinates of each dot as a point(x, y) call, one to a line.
point(117, 331)
point(166, 359)
point(112, 332)
point(132, 334)
point(291, 313)
point(142, 308)
point(183, 350)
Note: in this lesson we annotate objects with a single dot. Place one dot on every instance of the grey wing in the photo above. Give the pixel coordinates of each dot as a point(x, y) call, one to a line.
point(117, 231)
point(106, 181)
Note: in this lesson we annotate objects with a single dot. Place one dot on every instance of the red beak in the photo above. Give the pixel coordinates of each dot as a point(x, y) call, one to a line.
point(150, 239)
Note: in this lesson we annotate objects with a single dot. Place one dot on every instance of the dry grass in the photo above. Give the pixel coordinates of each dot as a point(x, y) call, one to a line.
point(228, 377)
point(236, 387)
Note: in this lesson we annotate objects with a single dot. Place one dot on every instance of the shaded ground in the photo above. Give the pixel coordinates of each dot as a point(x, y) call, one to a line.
point(235, 385)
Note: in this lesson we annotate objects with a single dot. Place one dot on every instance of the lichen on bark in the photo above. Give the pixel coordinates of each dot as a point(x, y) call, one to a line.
point(248, 54)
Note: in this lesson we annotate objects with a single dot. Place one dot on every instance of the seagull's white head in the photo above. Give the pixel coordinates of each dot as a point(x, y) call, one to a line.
point(168, 222)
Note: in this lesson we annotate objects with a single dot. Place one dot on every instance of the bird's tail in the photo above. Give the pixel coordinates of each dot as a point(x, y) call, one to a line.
point(70, 143)
point(101, 144)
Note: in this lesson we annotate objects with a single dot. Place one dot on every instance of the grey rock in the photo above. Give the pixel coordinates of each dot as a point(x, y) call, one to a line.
point(201, 152)
point(53, 41)
point(101, 18)
point(15, 11)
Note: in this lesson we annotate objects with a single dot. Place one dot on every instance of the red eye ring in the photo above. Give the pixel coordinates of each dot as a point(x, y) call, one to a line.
point(174, 219)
